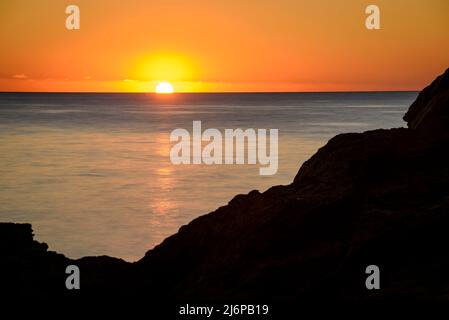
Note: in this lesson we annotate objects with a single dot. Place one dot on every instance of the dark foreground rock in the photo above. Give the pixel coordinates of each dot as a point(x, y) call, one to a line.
point(380, 197)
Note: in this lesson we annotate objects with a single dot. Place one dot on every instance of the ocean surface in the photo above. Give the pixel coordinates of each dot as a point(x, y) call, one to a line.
point(92, 172)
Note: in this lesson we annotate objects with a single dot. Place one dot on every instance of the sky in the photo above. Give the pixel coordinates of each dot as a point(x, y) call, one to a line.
point(222, 46)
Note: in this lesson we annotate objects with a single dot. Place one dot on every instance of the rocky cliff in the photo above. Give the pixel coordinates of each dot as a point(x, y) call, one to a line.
point(380, 197)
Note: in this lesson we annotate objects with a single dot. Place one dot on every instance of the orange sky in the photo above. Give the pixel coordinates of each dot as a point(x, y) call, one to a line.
point(232, 45)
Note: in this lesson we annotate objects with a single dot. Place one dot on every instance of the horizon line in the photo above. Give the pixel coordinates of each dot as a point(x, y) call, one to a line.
point(204, 92)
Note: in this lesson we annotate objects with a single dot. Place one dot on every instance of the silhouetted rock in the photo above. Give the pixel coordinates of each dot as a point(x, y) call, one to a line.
point(380, 197)
point(429, 112)
point(28, 269)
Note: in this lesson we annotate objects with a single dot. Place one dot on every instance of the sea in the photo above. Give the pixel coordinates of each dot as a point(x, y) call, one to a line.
point(92, 172)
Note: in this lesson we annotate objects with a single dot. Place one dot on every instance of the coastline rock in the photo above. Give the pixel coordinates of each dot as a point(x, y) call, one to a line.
point(25, 264)
point(28, 269)
point(429, 112)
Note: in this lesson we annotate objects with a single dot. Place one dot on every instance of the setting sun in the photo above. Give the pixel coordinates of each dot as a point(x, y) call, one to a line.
point(164, 87)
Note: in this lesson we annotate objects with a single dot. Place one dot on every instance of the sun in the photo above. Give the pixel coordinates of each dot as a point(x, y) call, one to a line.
point(164, 87)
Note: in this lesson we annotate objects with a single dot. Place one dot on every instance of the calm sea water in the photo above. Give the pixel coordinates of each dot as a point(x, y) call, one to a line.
point(92, 172)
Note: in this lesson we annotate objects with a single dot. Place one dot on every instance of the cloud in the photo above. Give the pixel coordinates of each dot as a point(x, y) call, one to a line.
point(19, 76)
